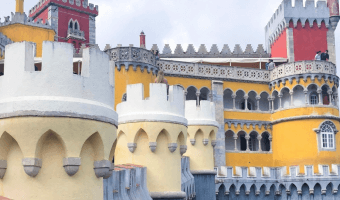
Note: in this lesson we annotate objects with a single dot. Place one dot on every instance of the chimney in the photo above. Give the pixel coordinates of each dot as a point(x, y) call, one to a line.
point(142, 40)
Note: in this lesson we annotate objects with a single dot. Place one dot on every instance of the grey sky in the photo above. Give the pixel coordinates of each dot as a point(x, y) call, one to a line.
point(179, 21)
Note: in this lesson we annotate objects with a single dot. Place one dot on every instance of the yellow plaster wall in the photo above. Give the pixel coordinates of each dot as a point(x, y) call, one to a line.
point(20, 32)
point(201, 156)
point(303, 111)
point(245, 159)
point(124, 78)
point(247, 115)
point(186, 82)
point(246, 87)
point(52, 139)
point(163, 167)
point(295, 143)
point(19, 6)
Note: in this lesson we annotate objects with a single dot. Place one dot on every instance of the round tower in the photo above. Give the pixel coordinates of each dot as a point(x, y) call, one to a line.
point(152, 133)
point(202, 129)
point(57, 128)
point(305, 115)
point(132, 65)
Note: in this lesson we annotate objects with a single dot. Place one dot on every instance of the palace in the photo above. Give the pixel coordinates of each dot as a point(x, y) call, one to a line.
point(81, 123)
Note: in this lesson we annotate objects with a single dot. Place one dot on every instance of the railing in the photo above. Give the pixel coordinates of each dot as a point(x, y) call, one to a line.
point(303, 67)
point(202, 70)
point(132, 54)
point(73, 33)
point(246, 74)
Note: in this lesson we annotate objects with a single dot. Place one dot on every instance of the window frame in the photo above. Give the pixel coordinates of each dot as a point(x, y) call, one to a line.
point(317, 98)
point(326, 132)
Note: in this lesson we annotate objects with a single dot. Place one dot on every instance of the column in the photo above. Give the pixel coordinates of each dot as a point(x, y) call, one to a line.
point(219, 150)
point(259, 137)
point(270, 141)
point(330, 97)
point(185, 95)
point(320, 96)
point(246, 102)
point(290, 44)
point(272, 99)
point(258, 102)
point(247, 137)
point(331, 44)
point(336, 99)
point(235, 139)
point(198, 98)
point(291, 98)
point(306, 97)
point(234, 101)
point(280, 101)
point(270, 104)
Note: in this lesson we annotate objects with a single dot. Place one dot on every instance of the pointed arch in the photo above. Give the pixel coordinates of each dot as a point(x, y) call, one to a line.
point(44, 137)
point(112, 152)
point(166, 133)
point(6, 142)
point(181, 139)
point(97, 144)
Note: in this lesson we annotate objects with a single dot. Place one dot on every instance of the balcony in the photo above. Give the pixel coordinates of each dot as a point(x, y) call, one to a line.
point(75, 34)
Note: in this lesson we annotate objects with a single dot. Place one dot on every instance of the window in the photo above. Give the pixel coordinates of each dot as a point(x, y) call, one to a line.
point(327, 135)
point(71, 24)
point(314, 99)
point(76, 26)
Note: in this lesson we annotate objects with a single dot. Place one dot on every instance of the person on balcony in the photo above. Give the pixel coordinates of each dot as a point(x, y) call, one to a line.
point(325, 56)
point(157, 55)
point(318, 55)
point(271, 64)
point(160, 79)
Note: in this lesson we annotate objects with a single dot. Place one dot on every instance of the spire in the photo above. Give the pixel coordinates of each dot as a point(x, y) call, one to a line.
point(19, 6)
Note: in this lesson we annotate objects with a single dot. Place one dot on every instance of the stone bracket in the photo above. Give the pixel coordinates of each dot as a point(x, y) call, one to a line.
point(183, 149)
point(172, 147)
point(102, 168)
point(3, 167)
point(132, 147)
point(205, 142)
point(153, 146)
point(71, 165)
point(213, 143)
point(32, 166)
point(192, 141)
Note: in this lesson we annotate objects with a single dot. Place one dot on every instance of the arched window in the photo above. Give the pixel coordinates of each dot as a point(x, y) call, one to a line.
point(76, 25)
point(327, 135)
point(71, 24)
point(314, 98)
point(124, 97)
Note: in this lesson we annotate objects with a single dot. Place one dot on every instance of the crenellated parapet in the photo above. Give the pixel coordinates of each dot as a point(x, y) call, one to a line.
point(78, 5)
point(21, 18)
point(268, 181)
point(286, 13)
point(153, 132)
point(77, 96)
point(213, 52)
point(133, 56)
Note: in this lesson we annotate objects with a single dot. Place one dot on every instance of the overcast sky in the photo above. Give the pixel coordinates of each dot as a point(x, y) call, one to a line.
point(179, 22)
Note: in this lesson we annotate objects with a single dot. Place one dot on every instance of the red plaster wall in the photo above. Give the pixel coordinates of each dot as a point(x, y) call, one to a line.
point(307, 40)
point(64, 17)
point(279, 47)
point(43, 15)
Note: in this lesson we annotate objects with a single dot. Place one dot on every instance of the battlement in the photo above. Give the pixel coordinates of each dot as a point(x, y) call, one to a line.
point(159, 107)
point(78, 5)
point(21, 18)
point(56, 90)
point(214, 51)
point(3, 42)
point(204, 114)
point(286, 12)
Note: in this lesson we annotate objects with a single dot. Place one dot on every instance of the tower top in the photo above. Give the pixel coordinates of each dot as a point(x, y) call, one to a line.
point(204, 114)
point(55, 90)
point(19, 6)
point(159, 107)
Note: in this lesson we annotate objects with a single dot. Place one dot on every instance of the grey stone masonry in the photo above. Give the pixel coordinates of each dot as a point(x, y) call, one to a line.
point(21, 18)
point(53, 19)
point(290, 45)
point(331, 45)
point(219, 150)
point(214, 52)
point(92, 30)
point(286, 12)
point(3, 42)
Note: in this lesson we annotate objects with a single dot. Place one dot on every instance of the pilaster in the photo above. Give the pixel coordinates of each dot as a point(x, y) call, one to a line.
point(290, 44)
point(219, 150)
point(331, 45)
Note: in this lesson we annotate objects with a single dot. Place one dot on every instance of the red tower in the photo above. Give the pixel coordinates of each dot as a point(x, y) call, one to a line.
point(142, 40)
point(298, 32)
point(72, 20)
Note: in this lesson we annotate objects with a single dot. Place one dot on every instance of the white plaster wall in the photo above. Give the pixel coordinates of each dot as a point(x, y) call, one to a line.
point(158, 107)
point(55, 89)
point(204, 114)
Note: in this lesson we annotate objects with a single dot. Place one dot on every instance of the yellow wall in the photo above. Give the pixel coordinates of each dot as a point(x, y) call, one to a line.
point(295, 112)
point(201, 156)
point(186, 82)
point(163, 167)
point(19, 6)
point(246, 87)
point(52, 139)
point(124, 78)
point(20, 32)
point(295, 143)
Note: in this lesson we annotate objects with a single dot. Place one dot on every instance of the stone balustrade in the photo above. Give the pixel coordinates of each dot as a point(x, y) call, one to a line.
point(74, 33)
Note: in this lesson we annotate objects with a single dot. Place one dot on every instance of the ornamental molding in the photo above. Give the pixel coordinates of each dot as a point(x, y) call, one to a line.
point(330, 117)
point(236, 122)
point(326, 122)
